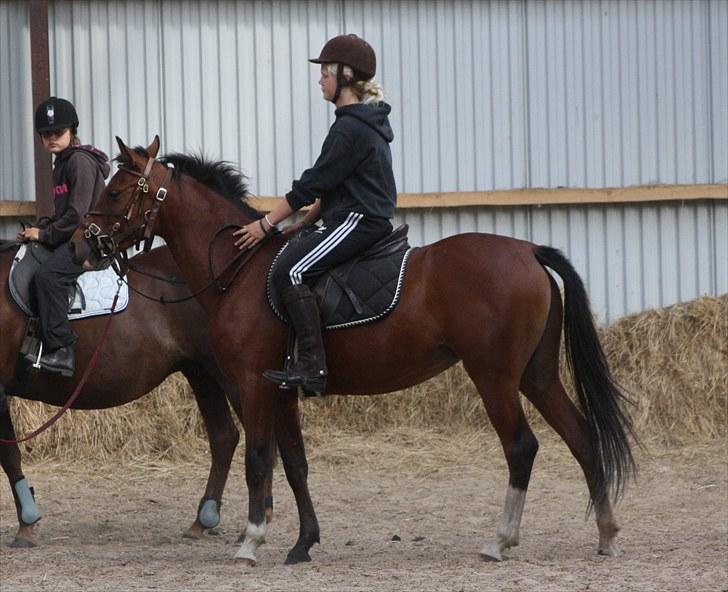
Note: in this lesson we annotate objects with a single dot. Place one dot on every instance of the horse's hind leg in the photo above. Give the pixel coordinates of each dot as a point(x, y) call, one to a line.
point(561, 414)
point(223, 437)
point(542, 386)
point(519, 446)
point(28, 514)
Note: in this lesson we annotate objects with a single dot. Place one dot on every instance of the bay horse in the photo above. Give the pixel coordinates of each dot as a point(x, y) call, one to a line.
point(484, 299)
point(167, 337)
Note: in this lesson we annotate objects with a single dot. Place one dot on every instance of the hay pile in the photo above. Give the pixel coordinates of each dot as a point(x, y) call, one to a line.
point(672, 361)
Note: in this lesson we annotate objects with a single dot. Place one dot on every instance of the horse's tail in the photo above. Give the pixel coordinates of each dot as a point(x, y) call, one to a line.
point(599, 395)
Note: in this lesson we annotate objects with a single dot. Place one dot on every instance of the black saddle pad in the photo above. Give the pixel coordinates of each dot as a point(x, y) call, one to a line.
point(359, 291)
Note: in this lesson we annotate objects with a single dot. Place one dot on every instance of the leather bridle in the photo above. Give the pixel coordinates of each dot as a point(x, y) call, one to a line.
point(135, 222)
point(107, 243)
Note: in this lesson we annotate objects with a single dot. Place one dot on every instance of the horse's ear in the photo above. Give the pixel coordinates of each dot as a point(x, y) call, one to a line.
point(153, 148)
point(126, 154)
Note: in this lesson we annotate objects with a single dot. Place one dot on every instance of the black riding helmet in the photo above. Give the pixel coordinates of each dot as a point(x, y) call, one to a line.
point(348, 50)
point(54, 114)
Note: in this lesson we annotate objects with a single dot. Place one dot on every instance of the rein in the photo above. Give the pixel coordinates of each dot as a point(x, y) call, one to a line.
point(79, 387)
point(241, 258)
point(108, 246)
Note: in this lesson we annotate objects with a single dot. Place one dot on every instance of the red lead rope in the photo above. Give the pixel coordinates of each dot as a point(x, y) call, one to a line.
point(79, 387)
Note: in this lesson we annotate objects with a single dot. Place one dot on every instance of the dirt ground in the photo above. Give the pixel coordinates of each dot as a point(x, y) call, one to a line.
point(109, 527)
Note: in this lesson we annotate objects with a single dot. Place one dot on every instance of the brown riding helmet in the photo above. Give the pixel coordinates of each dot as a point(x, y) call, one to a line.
point(350, 50)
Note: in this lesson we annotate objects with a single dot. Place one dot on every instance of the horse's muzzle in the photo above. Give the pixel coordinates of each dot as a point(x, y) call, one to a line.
point(88, 255)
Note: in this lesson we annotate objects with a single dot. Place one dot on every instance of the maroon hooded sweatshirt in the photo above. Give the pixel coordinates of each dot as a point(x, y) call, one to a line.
point(78, 179)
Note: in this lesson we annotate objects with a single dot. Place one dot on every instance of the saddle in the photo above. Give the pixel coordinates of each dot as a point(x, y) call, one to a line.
point(93, 293)
point(362, 290)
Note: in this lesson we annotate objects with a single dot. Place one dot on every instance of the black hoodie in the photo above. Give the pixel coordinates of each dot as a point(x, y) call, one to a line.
point(354, 171)
point(78, 179)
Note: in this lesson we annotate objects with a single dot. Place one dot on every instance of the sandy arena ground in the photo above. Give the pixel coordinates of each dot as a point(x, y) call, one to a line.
point(118, 528)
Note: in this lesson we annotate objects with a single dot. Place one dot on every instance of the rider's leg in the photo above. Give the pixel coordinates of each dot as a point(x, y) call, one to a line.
point(304, 259)
point(54, 281)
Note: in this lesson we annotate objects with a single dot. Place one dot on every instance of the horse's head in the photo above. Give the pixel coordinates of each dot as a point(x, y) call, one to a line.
point(126, 211)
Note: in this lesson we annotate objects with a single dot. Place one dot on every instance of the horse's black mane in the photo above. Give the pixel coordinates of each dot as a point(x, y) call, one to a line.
point(221, 176)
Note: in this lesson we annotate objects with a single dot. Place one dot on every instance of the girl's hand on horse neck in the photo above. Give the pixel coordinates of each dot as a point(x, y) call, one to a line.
point(254, 232)
point(250, 234)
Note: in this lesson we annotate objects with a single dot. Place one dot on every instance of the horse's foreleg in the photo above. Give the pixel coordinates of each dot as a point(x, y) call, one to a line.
point(223, 437)
point(27, 510)
point(234, 400)
point(519, 446)
point(293, 453)
point(258, 417)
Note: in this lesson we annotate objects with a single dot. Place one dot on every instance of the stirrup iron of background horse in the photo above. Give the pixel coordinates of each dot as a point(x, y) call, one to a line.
point(36, 364)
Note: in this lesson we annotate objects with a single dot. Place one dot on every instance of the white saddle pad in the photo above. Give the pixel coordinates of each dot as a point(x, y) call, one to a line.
point(98, 289)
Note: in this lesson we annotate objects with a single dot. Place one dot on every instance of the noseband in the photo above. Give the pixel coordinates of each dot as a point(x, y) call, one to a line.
point(107, 243)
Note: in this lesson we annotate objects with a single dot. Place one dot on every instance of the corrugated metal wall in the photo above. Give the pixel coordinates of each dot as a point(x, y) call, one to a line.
point(632, 257)
point(16, 109)
point(485, 95)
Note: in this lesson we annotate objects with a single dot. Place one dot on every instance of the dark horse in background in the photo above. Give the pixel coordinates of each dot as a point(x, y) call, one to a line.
point(147, 342)
point(486, 300)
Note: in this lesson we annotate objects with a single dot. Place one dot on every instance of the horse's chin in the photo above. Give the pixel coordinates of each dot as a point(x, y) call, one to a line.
point(97, 265)
point(92, 263)
point(86, 257)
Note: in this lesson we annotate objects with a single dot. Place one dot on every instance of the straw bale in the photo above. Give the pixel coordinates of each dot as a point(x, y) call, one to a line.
point(672, 362)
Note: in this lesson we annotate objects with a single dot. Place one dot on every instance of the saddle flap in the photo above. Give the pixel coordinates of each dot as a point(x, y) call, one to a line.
point(26, 262)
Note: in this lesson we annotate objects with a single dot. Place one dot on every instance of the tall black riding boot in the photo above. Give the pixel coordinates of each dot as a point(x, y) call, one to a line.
point(309, 371)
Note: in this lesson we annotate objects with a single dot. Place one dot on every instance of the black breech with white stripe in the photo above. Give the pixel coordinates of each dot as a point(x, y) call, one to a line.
point(307, 257)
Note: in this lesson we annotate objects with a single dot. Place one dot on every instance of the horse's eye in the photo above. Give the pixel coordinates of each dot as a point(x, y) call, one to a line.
point(114, 194)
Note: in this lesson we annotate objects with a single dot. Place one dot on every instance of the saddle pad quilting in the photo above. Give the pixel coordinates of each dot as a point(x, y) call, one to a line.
point(377, 284)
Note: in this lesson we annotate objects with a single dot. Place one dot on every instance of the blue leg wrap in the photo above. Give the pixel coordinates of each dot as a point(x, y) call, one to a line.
point(28, 511)
point(208, 512)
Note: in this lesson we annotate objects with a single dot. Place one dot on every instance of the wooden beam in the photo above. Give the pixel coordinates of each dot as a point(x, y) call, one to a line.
point(560, 196)
point(17, 209)
point(517, 197)
point(40, 74)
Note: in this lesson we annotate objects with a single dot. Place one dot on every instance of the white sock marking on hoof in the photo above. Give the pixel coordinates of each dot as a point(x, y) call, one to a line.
point(507, 533)
point(254, 537)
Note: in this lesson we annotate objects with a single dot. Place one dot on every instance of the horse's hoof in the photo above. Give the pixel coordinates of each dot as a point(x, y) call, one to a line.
point(19, 543)
point(610, 551)
point(295, 557)
point(193, 533)
point(245, 561)
point(491, 552)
